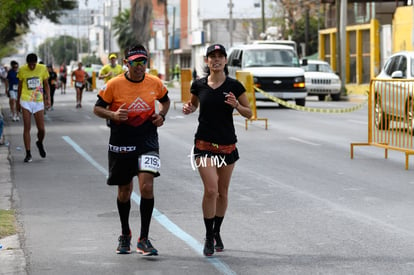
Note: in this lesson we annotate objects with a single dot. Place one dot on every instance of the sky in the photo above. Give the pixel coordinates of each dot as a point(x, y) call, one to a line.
point(43, 28)
point(220, 8)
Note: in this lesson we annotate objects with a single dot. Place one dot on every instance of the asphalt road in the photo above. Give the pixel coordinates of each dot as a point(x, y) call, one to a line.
point(298, 203)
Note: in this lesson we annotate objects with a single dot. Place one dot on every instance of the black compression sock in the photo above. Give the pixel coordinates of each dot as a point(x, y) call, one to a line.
point(123, 210)
point(146, 206)
point(209, 227)
point(217, 223)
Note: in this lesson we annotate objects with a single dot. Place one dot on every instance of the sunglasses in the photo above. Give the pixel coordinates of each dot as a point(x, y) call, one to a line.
point(135, 63)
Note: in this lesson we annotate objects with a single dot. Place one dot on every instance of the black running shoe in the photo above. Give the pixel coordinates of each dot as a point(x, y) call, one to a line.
point(124, 246)
point(145, 248)
point(219, 243)
point(209, 246)
point(42, 151)
point(28, 158)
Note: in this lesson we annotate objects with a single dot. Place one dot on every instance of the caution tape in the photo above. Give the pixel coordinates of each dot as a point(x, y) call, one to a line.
point(310, 109)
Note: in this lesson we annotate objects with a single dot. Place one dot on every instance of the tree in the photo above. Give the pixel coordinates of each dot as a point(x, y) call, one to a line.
point(16, 17)
point(299, 35)
point(141, 15)
point(61, 49)
point(298, 21)
point(91, 59)
point(123, 30)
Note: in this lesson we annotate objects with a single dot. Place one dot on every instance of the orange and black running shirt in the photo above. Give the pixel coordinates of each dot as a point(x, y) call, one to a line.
point(138, 134)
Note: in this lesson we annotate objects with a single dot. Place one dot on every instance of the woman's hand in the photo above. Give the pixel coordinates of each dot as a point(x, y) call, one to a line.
point(231, 100)
point(188, 108)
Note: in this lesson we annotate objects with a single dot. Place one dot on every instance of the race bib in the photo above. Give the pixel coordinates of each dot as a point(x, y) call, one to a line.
point(78, 84)
point(33, 83)
point(149, 163)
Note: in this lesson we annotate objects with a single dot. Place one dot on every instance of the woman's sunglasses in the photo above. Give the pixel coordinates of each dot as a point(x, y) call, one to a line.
point(141, 62)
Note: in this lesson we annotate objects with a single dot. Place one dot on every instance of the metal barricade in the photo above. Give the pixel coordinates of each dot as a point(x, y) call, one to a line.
point(390, 116)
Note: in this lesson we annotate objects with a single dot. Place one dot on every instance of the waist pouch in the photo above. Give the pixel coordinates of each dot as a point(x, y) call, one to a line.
point(214, 147)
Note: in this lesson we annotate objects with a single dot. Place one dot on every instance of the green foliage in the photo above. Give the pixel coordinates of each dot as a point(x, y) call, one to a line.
point(61, 49)
point(91, 59)
point(299, 34)
point(17, 15)
point(123, 30)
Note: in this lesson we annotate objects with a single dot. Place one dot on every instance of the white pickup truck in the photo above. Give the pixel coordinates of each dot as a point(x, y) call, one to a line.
point(275, 69)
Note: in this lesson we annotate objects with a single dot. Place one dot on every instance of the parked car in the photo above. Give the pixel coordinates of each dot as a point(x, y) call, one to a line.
point(394, 98)
point(321, 80)
point(277, 42)
point(275, 69)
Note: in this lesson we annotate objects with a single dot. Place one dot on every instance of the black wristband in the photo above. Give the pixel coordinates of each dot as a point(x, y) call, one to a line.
point(163, 116)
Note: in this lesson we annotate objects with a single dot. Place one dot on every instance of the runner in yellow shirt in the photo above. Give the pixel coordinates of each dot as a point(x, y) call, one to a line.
point(33, 95)
point(110, 70)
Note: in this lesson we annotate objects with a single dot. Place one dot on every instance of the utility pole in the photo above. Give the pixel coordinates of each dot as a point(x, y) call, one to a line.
point(173, 41)
point(263, 17)
point(342, 36)
point(230, 5)
point(166, 51)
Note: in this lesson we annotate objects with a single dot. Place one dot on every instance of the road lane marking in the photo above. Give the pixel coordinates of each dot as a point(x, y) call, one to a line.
point(158, 216)
point(358, 121)
point(85, 155)
point(304, 141)
point(334, 206)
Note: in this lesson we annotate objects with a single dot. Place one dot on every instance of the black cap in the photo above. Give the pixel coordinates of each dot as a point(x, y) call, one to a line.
point(216, 47)
point(136, 52)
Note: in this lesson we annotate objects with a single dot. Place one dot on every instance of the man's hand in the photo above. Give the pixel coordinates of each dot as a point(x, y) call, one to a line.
point(157, 120)
point(121, 114)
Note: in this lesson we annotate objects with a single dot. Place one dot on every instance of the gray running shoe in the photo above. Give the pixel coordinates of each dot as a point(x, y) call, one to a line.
point(124, 246)
point(145, 248)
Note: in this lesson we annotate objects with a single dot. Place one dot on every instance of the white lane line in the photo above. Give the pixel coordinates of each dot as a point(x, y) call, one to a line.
point(358, 121)
point(304, 141)
point(158, 216)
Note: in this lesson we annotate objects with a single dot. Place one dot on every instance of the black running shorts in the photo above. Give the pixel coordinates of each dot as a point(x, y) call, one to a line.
point(123, 170)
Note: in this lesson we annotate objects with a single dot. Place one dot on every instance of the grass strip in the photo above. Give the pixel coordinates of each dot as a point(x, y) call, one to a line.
point(7, 223)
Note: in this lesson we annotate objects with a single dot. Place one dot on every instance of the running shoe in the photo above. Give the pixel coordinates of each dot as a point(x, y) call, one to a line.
point(145, 248)
point(219, 243)
point(124, 246)
point(209, 246)
point(28, 158)
point(42, 151)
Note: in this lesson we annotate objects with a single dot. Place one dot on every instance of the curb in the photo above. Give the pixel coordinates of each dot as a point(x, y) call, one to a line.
point(12, 258)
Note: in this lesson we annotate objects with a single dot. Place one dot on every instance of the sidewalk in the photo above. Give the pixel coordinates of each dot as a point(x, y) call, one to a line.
point(12, 258)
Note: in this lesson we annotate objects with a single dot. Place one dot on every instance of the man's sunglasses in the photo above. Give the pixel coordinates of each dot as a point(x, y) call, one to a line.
point(141, 62)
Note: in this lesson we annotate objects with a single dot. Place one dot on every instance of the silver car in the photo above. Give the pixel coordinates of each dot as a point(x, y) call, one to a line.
point(393, 91)
point(321, 80)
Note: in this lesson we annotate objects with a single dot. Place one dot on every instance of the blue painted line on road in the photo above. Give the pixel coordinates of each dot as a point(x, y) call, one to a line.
point(188, 239)
point(85, 155)
point(158, 216)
